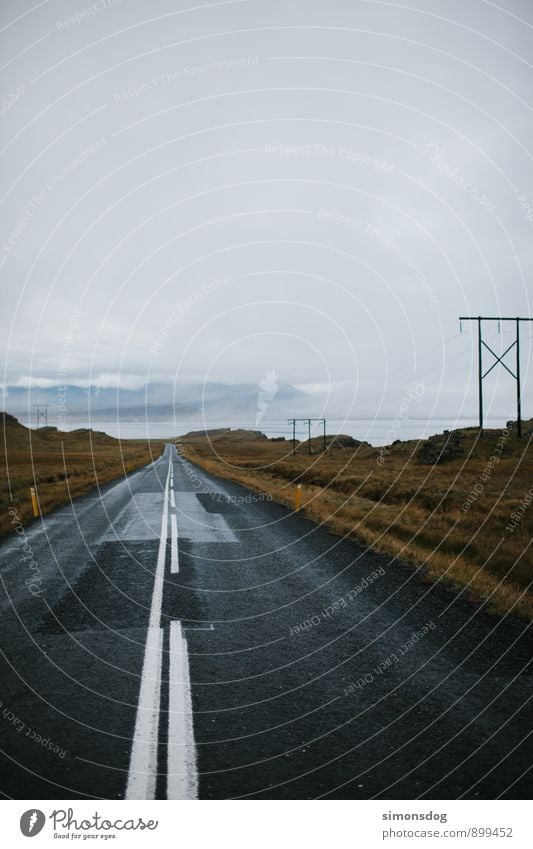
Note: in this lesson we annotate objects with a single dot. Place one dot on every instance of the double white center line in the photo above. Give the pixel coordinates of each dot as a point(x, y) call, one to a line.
point(174, 557)
point(182, 782)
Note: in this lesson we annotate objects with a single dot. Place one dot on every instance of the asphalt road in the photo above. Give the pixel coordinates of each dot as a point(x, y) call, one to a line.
point(175, 636)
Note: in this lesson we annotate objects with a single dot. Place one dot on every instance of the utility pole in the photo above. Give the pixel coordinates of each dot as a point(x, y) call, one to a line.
point(293, 435)
point(293, 423)
point(41, 412)
point(479, 319)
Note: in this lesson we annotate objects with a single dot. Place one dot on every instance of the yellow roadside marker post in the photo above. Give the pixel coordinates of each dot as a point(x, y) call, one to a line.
point(298, 497)
point(34, 502)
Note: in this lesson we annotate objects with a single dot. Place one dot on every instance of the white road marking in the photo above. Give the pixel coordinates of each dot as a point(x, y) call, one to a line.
point(199, 524)
point(182, 776)
point(174, 554)
point(172, 499)
point(200, 628)
point(142, 773)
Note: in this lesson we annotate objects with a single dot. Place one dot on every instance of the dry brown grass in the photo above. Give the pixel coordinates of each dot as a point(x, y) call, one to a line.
point(408, 509)
point(61, 465)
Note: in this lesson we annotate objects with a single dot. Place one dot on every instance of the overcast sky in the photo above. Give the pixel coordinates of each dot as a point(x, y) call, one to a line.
point(212, 191)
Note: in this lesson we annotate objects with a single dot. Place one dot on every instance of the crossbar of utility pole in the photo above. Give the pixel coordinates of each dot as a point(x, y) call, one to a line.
point(498, 359)
point(308, 421)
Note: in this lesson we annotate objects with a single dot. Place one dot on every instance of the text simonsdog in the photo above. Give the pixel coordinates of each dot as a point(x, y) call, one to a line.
point(428, 815)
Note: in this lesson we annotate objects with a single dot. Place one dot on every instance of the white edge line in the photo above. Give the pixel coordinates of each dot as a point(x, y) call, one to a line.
point(182, 775)
point(142, 774)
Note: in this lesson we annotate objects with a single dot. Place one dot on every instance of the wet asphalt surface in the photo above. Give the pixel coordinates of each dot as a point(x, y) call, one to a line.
point(317, 668)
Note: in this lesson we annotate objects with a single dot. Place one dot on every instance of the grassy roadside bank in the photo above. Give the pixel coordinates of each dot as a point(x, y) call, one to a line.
point(61, 465)
point(456, 505)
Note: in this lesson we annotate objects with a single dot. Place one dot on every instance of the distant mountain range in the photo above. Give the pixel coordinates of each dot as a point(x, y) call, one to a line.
point(163, 402)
